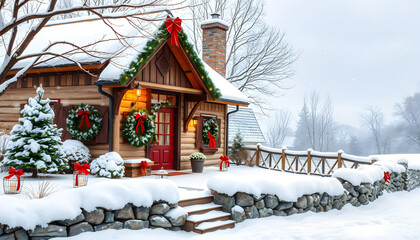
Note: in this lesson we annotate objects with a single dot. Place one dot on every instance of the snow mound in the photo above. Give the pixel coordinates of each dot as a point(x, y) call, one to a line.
point(368, 173)
point(176, 212)
point(286, 186)
point(109, 165)
point(413, 160)
point(76, 151)
point(111, 195)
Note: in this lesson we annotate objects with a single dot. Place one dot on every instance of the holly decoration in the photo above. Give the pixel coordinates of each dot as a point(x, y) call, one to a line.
point(139, 127)
point(210, 127)
point(161, 35)
point(387, 178)
point(83, 122)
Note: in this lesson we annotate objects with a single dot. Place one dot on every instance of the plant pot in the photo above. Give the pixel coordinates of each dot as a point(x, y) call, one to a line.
point(197, 165)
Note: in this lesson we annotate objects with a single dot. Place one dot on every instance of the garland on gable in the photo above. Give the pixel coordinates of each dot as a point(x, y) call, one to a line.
point(150, 48)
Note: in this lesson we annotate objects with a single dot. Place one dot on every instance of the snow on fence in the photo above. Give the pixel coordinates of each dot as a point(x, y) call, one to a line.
point(306, 162)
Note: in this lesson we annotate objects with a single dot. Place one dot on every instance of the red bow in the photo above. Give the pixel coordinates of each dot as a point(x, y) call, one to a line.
point(225, 160)
point(85, 118)
point(387, 177)
point(82, 169)
point(173, 27)
point(143, 166)
point(18, 173)
point(140, 119)
point(212, 143)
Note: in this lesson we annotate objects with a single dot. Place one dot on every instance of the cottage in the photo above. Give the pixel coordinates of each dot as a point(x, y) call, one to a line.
point(245, 122)
point(141, 73)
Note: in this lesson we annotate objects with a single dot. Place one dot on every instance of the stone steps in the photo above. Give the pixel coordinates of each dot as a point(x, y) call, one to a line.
point(205, 216)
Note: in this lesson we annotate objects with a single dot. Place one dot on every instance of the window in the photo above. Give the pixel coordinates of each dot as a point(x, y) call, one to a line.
point(208, 125)
point(157, 98)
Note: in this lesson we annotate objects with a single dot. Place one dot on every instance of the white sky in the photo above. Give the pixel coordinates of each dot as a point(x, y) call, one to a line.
point(359, 52)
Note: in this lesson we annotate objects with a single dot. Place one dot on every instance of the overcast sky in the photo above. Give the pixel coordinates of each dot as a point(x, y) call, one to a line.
point(359, 52)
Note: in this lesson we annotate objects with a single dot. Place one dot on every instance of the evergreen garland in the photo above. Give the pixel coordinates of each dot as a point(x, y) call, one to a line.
point(150, 48)
point(210, 125)
point(73, 127)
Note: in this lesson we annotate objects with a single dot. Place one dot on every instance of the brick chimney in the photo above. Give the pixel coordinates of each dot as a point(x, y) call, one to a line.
point(214, 43)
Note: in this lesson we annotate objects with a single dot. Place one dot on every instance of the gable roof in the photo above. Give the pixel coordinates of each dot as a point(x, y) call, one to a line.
point(245, 121)
point(113, 54)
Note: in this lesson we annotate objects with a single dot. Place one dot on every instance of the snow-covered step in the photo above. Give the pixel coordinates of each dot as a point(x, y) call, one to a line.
point(202, 208)
point(194, 201)
point(195, 220)
point(214, 226)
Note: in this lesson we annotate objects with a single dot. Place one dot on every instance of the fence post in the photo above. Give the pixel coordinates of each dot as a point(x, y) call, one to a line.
point(309, 161)
point(283, 159)
point(339, 162)
point(257, 158)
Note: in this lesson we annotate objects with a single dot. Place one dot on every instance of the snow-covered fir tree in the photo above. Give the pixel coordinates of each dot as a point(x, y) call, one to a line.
point(237, 148)
point(35, 142)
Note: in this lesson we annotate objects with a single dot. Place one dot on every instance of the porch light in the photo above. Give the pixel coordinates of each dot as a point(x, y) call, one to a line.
point(138, 91)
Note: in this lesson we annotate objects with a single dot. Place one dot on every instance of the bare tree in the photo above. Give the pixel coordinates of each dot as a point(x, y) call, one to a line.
point(278, 131)
point(258, 56)
point(18, 27)
point(374, 120)
point(409, 113)
point(316, 125)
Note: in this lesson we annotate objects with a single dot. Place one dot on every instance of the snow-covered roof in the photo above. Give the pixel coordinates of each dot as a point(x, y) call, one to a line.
point(105, 45)
point(244, 121)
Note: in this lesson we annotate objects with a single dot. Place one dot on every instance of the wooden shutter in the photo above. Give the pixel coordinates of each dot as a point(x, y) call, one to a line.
point(61, 112)
point(199, 133)
point(102, 136)
point(218, 140)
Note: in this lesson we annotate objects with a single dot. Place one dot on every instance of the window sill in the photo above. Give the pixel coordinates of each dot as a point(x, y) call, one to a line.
point(208, 150)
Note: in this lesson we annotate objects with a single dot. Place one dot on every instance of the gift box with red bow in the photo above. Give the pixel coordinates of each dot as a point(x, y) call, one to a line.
point(80, 174)
point(13, 183)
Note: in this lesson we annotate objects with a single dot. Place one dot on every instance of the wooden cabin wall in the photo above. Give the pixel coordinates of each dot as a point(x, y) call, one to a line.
point(125, 149)
point(188, 138)
point(71, 88)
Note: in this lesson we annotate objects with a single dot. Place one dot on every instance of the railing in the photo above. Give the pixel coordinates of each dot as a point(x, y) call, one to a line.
point(305, 162)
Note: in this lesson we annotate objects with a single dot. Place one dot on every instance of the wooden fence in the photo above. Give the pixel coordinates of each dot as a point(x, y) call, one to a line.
point(305, 162)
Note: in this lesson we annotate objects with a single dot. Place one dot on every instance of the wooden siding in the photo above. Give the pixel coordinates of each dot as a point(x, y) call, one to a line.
point(174, 77)
point(188, 145)
point(56, 87)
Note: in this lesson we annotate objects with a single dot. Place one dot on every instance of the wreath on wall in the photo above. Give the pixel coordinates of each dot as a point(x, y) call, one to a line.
point(139, 127)
point(83, 122)
point(210, 126)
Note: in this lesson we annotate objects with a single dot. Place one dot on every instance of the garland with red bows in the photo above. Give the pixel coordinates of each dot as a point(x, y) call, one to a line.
point(210, 131)
point(83, 122)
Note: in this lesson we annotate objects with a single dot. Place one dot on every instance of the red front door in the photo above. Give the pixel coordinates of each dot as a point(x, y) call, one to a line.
point(162, 152)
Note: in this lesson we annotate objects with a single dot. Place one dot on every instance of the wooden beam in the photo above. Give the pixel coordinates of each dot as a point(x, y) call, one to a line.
point(191, 115)
point(59, 69)
point(229, 103)
point(170, 88)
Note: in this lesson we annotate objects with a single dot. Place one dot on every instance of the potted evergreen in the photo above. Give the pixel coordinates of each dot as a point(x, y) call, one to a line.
point(197, 162)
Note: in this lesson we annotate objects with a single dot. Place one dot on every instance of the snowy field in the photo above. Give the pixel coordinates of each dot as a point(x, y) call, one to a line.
point(392, 216)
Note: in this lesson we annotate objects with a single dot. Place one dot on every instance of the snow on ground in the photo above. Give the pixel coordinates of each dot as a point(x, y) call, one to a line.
point(392, 216)
point(413, 159)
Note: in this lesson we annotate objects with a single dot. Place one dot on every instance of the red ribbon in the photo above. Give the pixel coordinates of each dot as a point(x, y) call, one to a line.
point(140, 119)
point(212, 143)
point(143, 166)
point(387, 177)
point(85, 118)
point(82, 169)
point(173, 27)
point(18, 173)
point(225, 160)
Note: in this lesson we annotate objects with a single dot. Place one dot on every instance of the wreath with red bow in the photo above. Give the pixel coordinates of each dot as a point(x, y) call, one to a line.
point(83, 122)
point(210, 130)
point(139, 128)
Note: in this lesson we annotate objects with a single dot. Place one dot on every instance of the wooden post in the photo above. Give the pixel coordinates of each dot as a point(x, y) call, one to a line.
point(257, 159)
point(283, 159)
point(339, 162)
point(323, 165)
point(309, 161)
point(271, 159)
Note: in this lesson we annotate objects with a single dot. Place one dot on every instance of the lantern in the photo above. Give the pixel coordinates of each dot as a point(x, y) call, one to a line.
point(80, 175)
point(162, 174)
point(13, 183)
point(224, 163)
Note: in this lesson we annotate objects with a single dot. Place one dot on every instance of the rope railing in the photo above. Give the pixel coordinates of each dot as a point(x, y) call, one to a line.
point(305, 162)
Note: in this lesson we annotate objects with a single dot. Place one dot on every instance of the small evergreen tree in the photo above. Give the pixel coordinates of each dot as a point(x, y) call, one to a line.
point(35, 142)
point(236, 153)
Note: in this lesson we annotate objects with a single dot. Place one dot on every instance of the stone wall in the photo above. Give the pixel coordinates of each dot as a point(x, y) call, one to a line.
point(246, 206)
point(130, 217)
point(413, 179)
